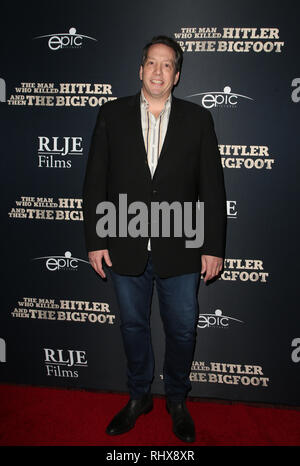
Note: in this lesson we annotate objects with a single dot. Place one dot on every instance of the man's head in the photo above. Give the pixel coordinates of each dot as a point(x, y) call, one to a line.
point(161, 65)
point(169, 42)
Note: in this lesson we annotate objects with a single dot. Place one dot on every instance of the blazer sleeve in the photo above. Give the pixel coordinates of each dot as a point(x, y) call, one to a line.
point(95, 184)
point(212, 192)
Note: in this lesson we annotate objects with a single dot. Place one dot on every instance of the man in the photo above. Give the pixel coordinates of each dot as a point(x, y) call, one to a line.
point(154, 147)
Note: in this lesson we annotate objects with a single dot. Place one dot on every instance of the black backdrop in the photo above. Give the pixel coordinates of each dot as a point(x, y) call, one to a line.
point(60, 61)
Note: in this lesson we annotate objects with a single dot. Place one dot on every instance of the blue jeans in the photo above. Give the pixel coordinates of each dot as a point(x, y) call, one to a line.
point(179, 312)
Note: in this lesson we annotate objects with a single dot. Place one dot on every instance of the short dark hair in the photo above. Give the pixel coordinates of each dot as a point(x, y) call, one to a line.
point(170, 43)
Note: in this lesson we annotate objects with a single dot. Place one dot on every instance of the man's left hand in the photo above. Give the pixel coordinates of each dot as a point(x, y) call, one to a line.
point(211, 266)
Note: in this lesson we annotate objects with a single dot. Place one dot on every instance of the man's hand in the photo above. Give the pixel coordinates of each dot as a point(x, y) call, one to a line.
point(95, 258)
point(211, 266)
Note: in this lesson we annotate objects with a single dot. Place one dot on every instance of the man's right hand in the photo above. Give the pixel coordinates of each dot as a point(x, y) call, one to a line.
point(95, 258)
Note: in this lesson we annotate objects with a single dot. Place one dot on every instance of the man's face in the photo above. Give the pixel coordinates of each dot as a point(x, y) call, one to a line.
point(158, 73)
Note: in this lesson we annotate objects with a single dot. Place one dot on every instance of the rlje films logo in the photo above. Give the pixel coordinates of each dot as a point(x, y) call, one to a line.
point(61, 263)
point(62, 362)
point(221, 99)
point(231, 209)
point(216, 320)
point(65, 40)
point(58, 152)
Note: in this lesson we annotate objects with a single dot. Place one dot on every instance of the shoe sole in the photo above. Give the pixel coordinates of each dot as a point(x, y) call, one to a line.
point(192, 440)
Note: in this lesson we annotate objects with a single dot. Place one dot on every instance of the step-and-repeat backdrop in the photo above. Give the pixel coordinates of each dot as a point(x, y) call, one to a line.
point(60, 61)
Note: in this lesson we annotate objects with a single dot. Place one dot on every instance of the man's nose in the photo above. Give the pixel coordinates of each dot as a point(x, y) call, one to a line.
point(157, 69)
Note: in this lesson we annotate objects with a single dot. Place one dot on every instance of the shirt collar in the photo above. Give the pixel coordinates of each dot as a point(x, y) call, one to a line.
point(145, 103)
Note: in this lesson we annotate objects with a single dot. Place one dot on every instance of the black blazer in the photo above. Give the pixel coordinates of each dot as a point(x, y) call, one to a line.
point(188, 169)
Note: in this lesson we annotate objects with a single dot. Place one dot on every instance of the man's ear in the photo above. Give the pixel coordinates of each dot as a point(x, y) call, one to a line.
point(141, 73)
point(176, 79)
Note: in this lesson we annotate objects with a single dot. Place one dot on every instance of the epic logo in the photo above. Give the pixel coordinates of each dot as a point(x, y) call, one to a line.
point(215, 320)
point(57, 263)
point(224, 98)
point(65, 40)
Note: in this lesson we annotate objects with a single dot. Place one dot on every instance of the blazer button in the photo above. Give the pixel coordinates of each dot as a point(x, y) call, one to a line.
point(154, 191)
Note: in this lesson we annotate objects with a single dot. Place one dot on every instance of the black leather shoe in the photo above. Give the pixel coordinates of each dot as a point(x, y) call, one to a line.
point(125, 420)
point(183, 424)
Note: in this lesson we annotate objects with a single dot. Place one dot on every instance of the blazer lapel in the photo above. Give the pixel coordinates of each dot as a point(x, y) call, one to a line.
point(137, 127)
